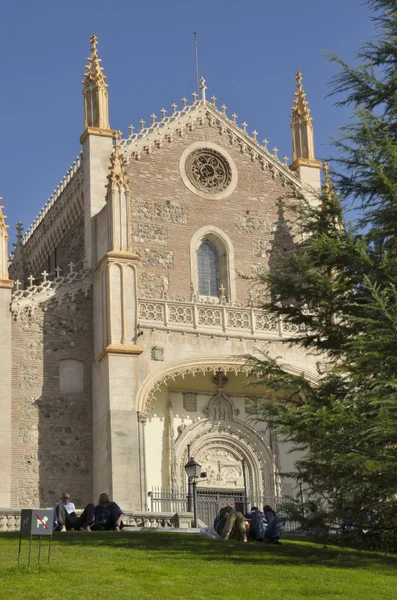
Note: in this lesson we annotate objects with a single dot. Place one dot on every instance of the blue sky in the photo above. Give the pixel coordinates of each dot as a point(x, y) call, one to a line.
point(248, 53)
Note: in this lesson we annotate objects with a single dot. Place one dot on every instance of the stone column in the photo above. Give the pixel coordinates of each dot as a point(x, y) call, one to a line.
point(116, 381)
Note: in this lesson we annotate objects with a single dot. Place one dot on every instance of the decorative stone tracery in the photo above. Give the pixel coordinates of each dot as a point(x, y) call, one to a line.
point(208, 170)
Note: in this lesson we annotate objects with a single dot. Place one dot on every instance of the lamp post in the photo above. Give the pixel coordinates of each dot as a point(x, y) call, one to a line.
point(193, 471)
point(189, 486)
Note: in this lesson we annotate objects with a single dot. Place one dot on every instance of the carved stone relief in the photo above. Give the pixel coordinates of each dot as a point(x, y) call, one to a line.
point(168, 212)
point(190, 401)
point(261, 248)
point(157, 259)
point(224, 470)
point(157, 353)
point(252, 223)
point(152, 285)
point(220, 408)
point(257, 269)
point(145, 233)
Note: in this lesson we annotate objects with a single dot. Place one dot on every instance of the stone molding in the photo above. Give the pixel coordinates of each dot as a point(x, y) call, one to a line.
point(26, 301)
point(131, 349)
point(200, 364)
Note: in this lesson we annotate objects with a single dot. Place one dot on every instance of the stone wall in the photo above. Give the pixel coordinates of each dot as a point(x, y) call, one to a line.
point(71, 248)
point(165, 214)
point(52, 429)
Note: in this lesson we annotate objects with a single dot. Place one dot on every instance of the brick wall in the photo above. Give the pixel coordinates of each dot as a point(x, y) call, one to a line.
point(51, 432)
point(166, 214)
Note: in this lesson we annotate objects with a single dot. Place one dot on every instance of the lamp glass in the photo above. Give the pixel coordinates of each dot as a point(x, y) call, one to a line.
point(193, 468)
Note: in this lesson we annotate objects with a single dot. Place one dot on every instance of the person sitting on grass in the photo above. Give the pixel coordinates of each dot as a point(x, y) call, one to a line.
point(65, 517)
point(232, 524)
point(108, 515)
point(265, 526)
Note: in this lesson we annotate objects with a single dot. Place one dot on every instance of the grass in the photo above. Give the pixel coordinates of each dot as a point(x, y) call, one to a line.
point(160, 566)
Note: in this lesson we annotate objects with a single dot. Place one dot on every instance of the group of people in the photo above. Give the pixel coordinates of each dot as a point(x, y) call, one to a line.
point(106, 515)
point(257, 525)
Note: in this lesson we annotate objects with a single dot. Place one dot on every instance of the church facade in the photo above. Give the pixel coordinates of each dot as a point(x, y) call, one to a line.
point(128, 305)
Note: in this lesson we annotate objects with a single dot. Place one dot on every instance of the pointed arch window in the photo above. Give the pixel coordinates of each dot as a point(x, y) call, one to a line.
point(208, 269)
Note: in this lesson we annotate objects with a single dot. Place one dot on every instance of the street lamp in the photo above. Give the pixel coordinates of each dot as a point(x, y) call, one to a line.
point(193, 471)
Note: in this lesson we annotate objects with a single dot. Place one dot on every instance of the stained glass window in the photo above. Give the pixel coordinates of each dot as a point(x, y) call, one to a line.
point(208, 269)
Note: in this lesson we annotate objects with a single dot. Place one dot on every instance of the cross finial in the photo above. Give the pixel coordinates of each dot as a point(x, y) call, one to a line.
point(163, 112)
point(234, 117)
point(31, 280)
point(58, 271)
point(184, 100)
point(244, 125)
point(94, 43)
point(224, 107)
point(17, 284)
point(213, 100)
point(142, 124)
point(131, 128)
point(174, 107)
point(265, 143)
point(195, 96)
point(153, 117)
point(254, 134)
point(203, 87)
point(275, 150)
point(285, 159)
point(44, 274)
point(71, 267)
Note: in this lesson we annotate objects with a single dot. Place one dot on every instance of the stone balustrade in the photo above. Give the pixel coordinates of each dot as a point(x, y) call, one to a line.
point(10, 520)
point(212, 319)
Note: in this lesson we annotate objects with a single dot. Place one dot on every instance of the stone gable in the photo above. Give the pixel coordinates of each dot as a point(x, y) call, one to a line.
point(168, 213)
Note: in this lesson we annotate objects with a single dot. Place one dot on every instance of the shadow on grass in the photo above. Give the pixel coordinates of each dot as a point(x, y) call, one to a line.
point(190, 546)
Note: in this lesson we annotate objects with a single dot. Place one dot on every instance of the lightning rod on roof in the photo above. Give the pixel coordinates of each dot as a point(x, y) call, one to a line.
point(195, 33)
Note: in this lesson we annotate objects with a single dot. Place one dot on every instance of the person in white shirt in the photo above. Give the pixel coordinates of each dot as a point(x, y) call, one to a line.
point(65, 517)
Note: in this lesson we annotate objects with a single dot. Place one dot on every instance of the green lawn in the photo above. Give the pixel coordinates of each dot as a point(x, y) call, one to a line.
point(112, 566)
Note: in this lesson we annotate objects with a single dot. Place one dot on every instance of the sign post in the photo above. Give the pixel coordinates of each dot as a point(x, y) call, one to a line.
point(36, 522)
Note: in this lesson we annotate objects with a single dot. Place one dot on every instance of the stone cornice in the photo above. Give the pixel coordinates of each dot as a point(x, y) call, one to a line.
point(58, 289)
point(6, 283)
point(96, 131)
point(131, 349)
point(305, 162)
point(116, 255)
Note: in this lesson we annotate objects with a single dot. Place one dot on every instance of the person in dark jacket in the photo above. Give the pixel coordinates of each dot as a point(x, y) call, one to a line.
point(108, 515)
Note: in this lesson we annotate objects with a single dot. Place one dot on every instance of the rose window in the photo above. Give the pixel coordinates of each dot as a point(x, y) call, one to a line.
point(208, 170)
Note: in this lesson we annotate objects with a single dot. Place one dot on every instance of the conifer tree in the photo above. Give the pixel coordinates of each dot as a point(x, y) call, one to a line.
point(338, 285)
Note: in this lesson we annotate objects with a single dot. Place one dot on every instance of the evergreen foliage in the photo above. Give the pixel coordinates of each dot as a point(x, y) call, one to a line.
point(343, 286)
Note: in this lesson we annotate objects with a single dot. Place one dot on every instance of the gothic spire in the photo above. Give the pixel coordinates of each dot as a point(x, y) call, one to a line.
point(302, 125)
point(117, 176)
point(96, 106)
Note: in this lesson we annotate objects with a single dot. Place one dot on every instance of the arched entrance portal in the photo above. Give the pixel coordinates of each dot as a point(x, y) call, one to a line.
point(238, 464)
point(207, 414)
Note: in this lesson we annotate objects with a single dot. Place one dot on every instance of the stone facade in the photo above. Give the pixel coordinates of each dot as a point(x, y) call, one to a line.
point(51, 431)
point(123, 361)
